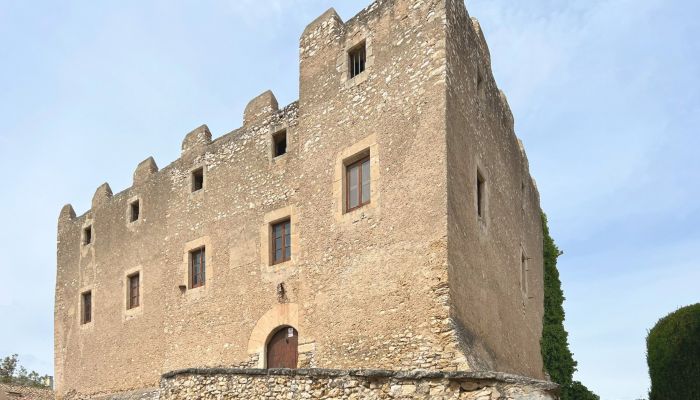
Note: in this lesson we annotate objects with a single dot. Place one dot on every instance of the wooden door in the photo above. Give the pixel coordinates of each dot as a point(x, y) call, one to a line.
point(282, 349)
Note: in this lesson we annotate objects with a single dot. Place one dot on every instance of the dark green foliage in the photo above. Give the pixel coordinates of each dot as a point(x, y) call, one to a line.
point(673, 355)
point(11, 374)
point(558, 360)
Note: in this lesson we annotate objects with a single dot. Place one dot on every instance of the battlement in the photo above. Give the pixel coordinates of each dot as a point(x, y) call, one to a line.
point(385, 220)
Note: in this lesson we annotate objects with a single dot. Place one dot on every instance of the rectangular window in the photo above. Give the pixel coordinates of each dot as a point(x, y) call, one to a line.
point(87, 235)
point(86, 307)
point(281, 242)
point(197, 179)
point(134, 290)
point(523, 272)
point(197, 268)
point(279, 142)
point(357, 178)
point(357, 57)
point(480, 194)
point(134, 211)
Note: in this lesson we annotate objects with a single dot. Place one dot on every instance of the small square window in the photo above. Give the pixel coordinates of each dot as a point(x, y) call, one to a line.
point(198, 179)
point(197, 268)
point(87, 235)
point(279, 143)
point(480, 194)
point(86, 300)
point(357, 184)
point(134, 211)
point(134, 292)
point(357, 58)
point(281, 242)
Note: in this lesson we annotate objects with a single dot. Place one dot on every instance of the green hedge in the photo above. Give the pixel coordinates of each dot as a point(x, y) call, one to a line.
point(673, 356)
point(558, 361)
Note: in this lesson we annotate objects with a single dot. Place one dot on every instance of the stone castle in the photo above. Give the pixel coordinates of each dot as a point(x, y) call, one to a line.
point(380, 235)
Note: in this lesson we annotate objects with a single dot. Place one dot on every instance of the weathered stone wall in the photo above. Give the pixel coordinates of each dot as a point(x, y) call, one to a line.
point(357, 384)
point(13, 392)
point(372, 288)
point(497, 309)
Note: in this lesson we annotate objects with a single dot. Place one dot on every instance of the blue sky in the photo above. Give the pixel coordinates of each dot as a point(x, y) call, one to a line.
point(605, 95)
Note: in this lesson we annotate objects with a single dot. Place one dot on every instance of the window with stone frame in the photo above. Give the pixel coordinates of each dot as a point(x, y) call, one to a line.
point(281, 246)
point(357, 182)
point(357, 59)
point(134, 290)
point(197, 273)
point(279, 143)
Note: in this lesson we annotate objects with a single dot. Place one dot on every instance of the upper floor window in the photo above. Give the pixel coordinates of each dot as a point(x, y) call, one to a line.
point(523, 272)
point(87, 235)
point(198, 179)
point(281, 242)
point(197, 268)
point(357, 59)
point(357, 178)
point(86, 315)
point(134, 211)
point(279, 143)
point(134, 295)
point(480, 194)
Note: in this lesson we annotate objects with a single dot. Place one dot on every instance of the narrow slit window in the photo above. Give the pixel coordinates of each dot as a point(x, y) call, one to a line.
point(480, 194)
point(197, 268)
point(87, 235)
point(358, 180)
point(281, 242)
point(523, 272)
point(86, 307)
point(134, 211)
point(279, 142)
point(134, 291)
point(357, 59)
point(197, 179)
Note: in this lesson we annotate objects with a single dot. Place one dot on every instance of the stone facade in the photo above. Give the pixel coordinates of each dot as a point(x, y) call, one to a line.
point(358, 384)
point(440, 271)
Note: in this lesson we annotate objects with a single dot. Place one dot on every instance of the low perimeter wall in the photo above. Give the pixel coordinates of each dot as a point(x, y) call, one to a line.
point(356, 384)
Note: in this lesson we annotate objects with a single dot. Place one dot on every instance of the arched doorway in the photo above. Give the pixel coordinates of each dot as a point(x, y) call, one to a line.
point(283, 348)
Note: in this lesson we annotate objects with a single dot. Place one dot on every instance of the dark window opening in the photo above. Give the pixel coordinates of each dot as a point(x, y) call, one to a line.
point(281, 242)
point(87, 307)
point(197, 179)
point(357, 180)
point(134, 211)
point(87, 235)
point(197, 268)
point(523, 272)
point(134, 291)
point(357, 59)
point(480, 194)
point(279, 141)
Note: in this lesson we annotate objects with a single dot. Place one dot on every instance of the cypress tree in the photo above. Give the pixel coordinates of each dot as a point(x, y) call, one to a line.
point(558, 360)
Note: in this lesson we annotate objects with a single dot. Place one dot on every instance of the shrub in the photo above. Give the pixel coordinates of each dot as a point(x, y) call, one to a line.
point(673, 355)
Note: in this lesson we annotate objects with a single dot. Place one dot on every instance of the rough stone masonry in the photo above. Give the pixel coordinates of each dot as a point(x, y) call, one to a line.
point(385, 221)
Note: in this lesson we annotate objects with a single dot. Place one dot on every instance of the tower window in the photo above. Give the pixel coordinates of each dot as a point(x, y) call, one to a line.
point(480, 194)
point(279, 143)
point(198, 179)
point(197, 268)
point(86, 316)
point(134, 211)
point(281, 242)
point(134, 295)
point(357, 58)
point(357, 180)
point(523, 272)
point(87, 235)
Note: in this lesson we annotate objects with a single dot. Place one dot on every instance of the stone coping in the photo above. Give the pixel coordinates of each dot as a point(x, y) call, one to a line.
point(371, 373)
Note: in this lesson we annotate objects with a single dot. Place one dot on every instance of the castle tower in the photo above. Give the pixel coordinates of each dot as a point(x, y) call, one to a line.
point(385, 221)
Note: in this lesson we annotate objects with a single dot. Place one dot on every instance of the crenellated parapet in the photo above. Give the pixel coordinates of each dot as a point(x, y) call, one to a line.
point(196, 139)
point(102, 195)
point(145, 170)
point(260, 108)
